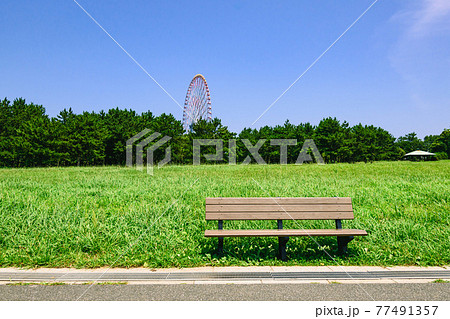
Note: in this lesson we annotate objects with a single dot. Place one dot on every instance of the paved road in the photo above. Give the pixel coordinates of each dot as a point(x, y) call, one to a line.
point(320, 292)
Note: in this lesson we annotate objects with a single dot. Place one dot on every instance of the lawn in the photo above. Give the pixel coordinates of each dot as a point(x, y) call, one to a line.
point(121, 217)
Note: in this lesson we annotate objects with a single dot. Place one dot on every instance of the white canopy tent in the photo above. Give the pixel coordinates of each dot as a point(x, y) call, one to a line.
point(420, 153)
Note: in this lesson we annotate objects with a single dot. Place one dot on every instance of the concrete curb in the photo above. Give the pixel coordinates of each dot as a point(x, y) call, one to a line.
point(229, 275)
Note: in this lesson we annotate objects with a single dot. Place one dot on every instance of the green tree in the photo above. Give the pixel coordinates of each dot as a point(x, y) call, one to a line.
point(428, 141)
point(441, 146)
point(120, 126)
point(211, 130)
point(83, 138)
point(332, 140)
point(410, 142)
point(25, 134)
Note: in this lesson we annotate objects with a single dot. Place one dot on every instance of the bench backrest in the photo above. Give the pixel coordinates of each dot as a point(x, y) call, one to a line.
point(280, 208)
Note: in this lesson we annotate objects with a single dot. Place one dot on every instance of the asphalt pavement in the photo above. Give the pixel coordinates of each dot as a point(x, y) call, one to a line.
point(235, 292)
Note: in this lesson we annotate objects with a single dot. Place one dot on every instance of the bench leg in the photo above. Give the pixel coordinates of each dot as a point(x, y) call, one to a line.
point(220, 248)
point(282, 247)
point(342, 243)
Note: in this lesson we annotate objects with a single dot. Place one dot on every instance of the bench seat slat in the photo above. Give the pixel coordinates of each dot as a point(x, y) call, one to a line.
point(277, 200)
point(278, 215)
point(284, 232)
point(279, 208)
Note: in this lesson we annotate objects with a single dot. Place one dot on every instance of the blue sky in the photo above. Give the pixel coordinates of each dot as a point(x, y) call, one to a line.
point(391, 69)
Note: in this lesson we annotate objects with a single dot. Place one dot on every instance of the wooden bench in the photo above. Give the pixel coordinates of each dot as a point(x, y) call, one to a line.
point(278, 208)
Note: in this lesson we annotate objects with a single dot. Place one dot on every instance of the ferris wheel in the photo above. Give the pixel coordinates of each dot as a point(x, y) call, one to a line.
point(197, 104)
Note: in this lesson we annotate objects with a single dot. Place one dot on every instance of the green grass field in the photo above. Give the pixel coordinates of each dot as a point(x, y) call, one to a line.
point(89, 217)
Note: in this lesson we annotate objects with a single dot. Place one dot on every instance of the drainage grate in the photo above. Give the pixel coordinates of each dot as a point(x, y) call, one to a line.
point(221, 275)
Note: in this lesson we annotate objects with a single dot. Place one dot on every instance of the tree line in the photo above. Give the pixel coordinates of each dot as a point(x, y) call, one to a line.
point(29, 138)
